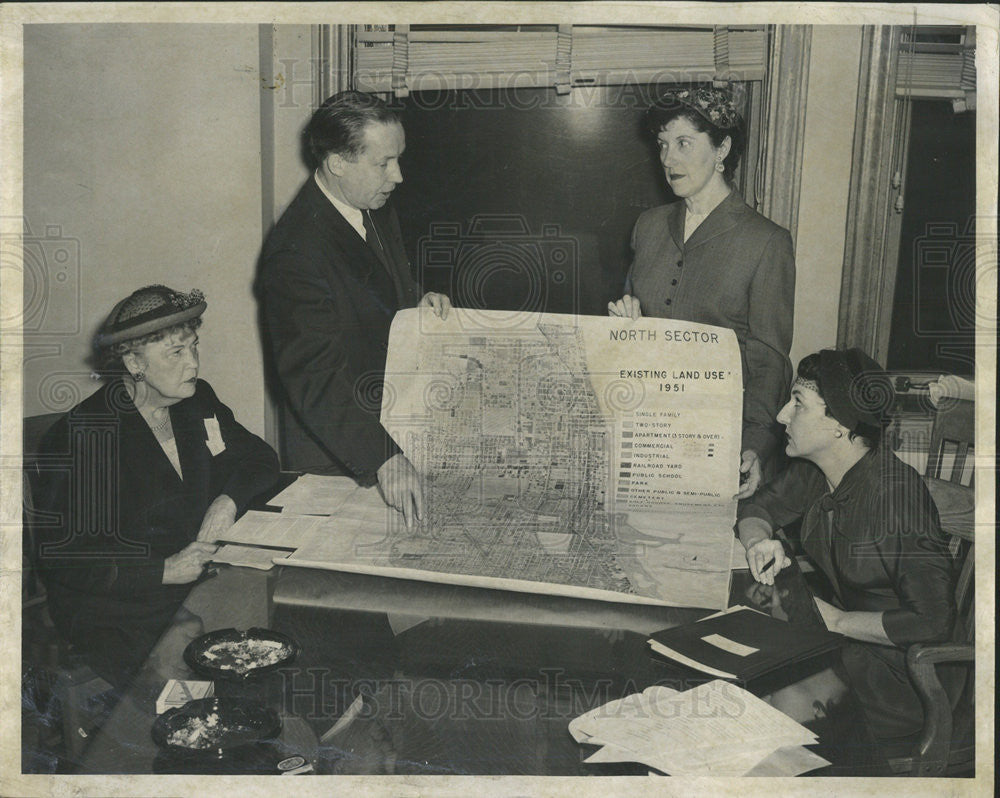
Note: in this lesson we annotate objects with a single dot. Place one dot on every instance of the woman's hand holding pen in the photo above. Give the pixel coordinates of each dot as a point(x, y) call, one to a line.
point(766, 557)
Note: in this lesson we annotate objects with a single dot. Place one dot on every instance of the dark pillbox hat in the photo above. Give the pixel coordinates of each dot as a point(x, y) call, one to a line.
point(856, 389)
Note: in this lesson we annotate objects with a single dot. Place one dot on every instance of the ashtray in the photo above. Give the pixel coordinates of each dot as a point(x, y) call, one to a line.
point(214, 727)
point(236, 655)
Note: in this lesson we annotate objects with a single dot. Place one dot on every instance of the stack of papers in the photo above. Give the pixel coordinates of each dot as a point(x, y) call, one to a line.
point(716, 729)
point(314, 510)
point(314, 494)
point(246, 556)
point(278, 530)
point(260, 539)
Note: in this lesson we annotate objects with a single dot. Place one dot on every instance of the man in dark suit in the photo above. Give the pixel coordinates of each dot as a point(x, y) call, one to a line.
point(333, 273)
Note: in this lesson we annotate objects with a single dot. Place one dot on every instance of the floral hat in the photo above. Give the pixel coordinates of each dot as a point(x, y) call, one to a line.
point(148, 310)
point(714, 105)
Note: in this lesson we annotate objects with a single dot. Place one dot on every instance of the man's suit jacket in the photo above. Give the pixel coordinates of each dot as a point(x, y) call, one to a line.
point(328, 302)
point(114, 508)
point(737, 270)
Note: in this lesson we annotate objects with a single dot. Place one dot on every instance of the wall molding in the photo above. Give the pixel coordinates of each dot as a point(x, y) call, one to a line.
point(332, 55)
point(785, 120)
point(869, 274)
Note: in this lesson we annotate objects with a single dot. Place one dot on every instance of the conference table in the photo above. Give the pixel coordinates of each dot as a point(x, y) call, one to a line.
point(397, 676)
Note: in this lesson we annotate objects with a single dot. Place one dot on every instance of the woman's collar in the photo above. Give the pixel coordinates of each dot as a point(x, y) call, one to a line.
point(855, 476)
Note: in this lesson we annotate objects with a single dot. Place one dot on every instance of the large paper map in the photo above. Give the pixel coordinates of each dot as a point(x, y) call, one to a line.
point(587, 456)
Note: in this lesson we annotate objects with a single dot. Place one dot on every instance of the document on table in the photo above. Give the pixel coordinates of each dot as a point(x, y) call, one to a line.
point(738, 562)
point(248, 556)
point(314, 494)
point(716, 729)
point(280, 530)
point(791, 761)
point(783, 763)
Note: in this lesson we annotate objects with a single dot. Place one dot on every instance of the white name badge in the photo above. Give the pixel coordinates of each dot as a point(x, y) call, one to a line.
point(215, 443)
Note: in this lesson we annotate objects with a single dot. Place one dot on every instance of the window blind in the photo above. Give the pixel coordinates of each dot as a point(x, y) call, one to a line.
point(402, 58)
point(937, 62)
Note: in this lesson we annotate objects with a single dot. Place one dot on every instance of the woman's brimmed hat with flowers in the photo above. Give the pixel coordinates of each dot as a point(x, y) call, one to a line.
point(149, 310)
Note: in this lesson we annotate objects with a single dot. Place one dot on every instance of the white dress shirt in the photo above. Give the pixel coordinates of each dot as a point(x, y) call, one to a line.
point(352, 215)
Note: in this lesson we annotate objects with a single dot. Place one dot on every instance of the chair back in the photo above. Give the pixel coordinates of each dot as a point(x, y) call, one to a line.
point(34, 429)
point(950, 459)
point(963, 701)
point(944, 673)
point(965, 551)
point(952, 445)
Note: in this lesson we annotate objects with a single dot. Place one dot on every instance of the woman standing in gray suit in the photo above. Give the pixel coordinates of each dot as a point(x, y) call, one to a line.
point(710, 258)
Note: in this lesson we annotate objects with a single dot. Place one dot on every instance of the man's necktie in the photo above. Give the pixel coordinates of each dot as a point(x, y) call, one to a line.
point(375, 243)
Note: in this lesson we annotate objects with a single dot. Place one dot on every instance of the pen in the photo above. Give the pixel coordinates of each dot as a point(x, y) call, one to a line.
point(767, 565)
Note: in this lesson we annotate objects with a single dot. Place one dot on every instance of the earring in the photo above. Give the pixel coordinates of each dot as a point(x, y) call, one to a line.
point(139, 376)
point(718, 165)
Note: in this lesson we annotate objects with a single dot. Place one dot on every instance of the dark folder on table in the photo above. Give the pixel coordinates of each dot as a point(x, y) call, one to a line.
point(742, 644)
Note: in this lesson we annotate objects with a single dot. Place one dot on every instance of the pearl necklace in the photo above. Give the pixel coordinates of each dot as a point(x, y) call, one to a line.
point(161, 426)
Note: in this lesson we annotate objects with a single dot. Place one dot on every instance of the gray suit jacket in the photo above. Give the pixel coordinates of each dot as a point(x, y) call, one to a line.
point(737, 270)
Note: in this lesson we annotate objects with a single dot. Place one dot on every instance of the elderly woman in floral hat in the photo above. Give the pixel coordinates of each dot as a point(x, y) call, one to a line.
point(709, 258)
point(143, 476)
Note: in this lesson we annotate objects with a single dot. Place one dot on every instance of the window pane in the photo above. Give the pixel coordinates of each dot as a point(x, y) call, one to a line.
point(933, 321)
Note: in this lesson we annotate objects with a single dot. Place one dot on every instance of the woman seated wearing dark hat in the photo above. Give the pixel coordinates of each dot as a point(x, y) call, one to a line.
point(143, 476)
point(868, 523)
point(711, 259)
